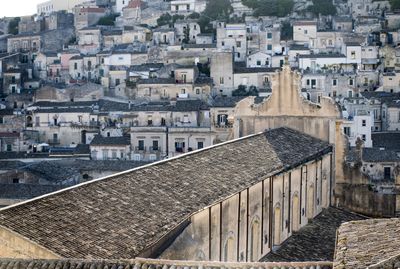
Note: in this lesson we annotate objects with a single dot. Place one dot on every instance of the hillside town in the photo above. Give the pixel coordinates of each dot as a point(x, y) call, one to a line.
point(119, 100)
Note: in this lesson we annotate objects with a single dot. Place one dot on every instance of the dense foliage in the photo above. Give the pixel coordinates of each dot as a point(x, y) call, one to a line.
point(243, 91)
point(167, 19)
point(322, 7)
point(13, 26)
point(394, 4)
point(279, 8)
point(286, 31)
point(108, 20)
point(218, 10)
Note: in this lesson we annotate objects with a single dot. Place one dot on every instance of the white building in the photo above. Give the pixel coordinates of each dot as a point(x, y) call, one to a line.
point(359, 126)
point(233, 37)
point(304, 31)
point(120, 4)
point(57, 5)
point(188, 6)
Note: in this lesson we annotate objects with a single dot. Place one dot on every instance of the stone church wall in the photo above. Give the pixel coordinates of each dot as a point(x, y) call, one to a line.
point(247, 225)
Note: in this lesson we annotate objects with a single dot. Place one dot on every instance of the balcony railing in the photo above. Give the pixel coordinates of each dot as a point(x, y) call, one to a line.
point(140, 149)
point(155, 149)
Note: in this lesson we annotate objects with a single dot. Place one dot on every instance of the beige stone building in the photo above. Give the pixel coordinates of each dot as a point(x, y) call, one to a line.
point(225, 208)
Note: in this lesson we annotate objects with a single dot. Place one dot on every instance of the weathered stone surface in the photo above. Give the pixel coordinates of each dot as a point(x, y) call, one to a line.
point(361, 244)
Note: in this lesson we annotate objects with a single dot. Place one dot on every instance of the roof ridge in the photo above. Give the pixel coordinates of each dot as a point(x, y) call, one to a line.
point(129, 171)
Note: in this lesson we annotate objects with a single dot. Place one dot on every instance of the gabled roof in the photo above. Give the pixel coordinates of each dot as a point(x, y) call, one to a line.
point(122, 216)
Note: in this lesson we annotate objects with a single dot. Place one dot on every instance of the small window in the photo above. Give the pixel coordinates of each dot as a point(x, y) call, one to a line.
point(364, 123)
point(141, 145)
point(200, 144)
point(15, 180)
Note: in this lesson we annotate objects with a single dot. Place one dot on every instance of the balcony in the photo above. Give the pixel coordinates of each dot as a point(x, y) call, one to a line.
point(140, 149)
point(223, 125)
point(155, 149)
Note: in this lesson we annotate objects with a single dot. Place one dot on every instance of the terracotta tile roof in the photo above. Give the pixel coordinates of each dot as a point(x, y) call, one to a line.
point(134, 4)
point(121, 216)
point(364, 243)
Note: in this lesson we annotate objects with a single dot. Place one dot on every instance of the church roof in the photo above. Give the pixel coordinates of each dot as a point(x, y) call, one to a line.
point(315, 241)
point(126, 214)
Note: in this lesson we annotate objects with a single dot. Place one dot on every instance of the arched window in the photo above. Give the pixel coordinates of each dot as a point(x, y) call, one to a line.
point(310, 202)
point(255, 242)
point(277, 225)
point(295, 212)
point(229, 249)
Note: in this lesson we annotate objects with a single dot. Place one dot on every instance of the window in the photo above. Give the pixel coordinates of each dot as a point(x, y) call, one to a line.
point(105, 154)
point(89, 65)
point(222, 43)
point(351, 82)
point(364, 137)
point(155, 145)
point(1, 120)
point(9, 147)
point(305, 32)
point(163, 123)
point(197, 91)
point(334, 82)
point(15, 180)
point(200, 144)
point(313, 83)
point(80, 119)
point(387, 172)
point(269, 35)
point(258, 63)
point(114, 154)
point(149, 120)
point(353, 55)
point(221, 80)
point(350, 94)
point(238, 44)
point(347, 131)
point(179, 146)
point(269, 47)
point(75, 66)
point(364, 123)
point(141, 145)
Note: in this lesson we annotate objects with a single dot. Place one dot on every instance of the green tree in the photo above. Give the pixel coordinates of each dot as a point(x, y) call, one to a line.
point(279, 8)
point(286, 31)
point(108, 20)
point(13, 26)
point(243, 91)
point(218, 10)
point(395, 4)
point(194, 16)
point(323, 7)
point(164, 19)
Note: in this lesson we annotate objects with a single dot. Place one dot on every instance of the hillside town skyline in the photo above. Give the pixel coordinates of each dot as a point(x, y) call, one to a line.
point(200, 134)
